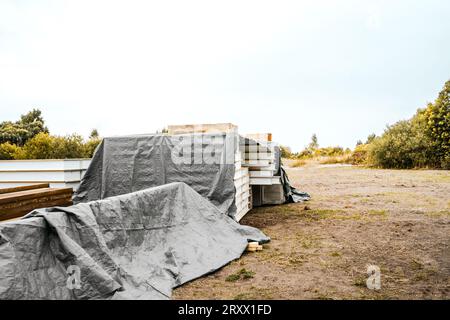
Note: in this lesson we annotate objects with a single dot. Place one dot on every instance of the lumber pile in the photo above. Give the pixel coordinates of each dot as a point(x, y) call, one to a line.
point(17, 201)
point(254, 246)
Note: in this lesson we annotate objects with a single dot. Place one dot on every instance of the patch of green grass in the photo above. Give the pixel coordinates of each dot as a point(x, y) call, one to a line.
point(233, 278)
point(241, 274)
point(379, 213)
point(416, 265)
point(360, 282)
point(438, 214)
point(255, 294)
point(335, 254)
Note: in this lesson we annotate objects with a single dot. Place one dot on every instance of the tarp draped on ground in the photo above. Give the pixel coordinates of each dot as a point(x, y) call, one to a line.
point(134, 246)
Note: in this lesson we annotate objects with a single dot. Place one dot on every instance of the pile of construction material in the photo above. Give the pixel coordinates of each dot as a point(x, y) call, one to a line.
point(18, 201)
point(262, 158)
point(257, 178)
point(243, 198)
point(62, 173)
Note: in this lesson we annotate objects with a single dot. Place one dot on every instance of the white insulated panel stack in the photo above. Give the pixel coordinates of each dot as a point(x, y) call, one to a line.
point(243, 197)
point(259, 158)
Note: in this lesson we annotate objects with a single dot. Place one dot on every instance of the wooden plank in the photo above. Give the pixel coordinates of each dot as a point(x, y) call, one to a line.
point(23, 210)
point(35, 203)
point(30, 194)
point(23, 188)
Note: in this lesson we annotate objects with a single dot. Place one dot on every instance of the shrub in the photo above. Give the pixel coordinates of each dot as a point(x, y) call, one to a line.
point(45, 146)
point(359, 155)
point(329, 152)
point(285, 152)
point(90, 147)
point(423, 141)
point(40, 146)
point(403, 145)
point(9, 151)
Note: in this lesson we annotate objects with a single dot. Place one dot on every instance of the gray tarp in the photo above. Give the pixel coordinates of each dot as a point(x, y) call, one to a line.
point(138, 246)
point(126, 164)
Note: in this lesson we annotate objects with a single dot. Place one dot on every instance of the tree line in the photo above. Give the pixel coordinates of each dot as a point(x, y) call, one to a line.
point(420, 142)
point(29, 138)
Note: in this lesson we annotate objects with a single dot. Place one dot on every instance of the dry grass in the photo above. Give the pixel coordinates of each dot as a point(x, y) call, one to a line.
point(398, 220)
point(345, 159)
point(298, 163)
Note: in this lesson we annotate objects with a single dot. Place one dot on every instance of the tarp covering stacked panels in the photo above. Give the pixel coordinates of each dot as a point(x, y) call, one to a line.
point(203, 161)
point(122, 165)
point(134, 246)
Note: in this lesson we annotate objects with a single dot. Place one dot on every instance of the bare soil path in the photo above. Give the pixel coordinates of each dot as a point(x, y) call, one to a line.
point(398, 220)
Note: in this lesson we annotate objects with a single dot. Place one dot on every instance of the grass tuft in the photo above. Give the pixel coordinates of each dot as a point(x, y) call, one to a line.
point(241, 274)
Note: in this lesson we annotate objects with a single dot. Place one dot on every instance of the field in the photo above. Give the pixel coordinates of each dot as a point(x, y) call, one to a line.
point(398, 220)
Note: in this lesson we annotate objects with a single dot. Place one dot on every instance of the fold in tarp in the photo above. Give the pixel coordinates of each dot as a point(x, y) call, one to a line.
point(135, 246)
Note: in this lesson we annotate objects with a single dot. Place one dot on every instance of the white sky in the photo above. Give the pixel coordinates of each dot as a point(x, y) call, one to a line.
point(341, 69)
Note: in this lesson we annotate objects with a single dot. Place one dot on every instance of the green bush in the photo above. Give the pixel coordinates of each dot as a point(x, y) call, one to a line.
point(359, 155)
point(286, 152)
point(329, 152)
point(9, 151)
point(90, 146)
point(403, 145)
point(45, 146)
point(423, 141)
point(21, 131)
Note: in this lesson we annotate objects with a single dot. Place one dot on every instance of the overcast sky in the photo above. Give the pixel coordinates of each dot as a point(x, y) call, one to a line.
point(341, 69)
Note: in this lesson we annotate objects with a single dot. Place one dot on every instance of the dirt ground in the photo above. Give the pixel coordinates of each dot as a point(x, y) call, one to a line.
point(398, 220)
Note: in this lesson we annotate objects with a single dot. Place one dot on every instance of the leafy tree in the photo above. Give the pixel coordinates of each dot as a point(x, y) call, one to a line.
point(40, 146)
point(21, 131)
point(94, 134)
point(422, 141)
point(370, 138)
point(90, 146)
point(285, 152)
point(314, 144)
point(437, 128)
